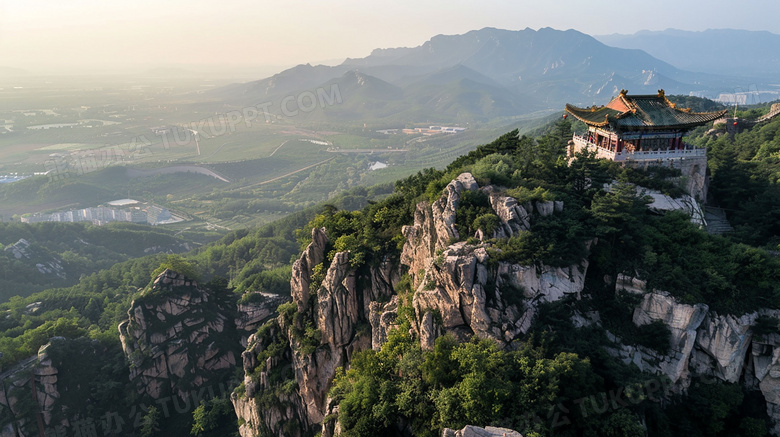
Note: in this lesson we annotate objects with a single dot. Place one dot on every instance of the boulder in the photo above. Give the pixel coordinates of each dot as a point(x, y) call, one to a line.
point(475, 431)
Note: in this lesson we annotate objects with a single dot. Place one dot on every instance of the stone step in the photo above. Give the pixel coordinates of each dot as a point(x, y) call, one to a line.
point(717, 223)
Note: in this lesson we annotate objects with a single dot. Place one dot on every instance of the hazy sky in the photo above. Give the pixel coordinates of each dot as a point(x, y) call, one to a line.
point(43, 36)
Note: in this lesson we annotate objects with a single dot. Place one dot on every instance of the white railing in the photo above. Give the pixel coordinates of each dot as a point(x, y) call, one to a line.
point(602, 152)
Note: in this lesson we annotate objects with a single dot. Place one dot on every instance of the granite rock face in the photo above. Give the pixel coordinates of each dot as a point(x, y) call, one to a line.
point(382, 318)
point(459, 290)
point(704, 343)
point(253, 314)
point(177, 337)
point(456, 282)
point(475, 431)
point(444, 209)
point(682, 321)
point(722, 343)
point(15, 393)
point(287, 408)
point(321, 337)
point(304, 265)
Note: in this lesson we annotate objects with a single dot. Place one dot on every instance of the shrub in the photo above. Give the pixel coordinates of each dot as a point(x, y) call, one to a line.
point(655, 335)
point(287, 310)
point(489, 223)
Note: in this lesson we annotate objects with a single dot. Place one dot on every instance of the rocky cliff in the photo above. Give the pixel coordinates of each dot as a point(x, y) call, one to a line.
point(36, 375)
point(252, 314)
point(475, 431)
point(178, 337)
point(50, 392)
point(457, 290)
point(707, 345)
point(327, 325)
point(461, 285)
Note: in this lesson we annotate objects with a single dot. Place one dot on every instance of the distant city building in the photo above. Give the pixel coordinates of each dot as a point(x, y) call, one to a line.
point(156, 214)
point(123, 202)
point(101, 215)
point(430, 130)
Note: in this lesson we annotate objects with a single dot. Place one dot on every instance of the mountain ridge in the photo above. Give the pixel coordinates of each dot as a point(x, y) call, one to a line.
point(545, 65)
point(719, 51)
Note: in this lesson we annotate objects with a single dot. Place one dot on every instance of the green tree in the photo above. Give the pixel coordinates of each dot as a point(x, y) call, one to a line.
point(150, 423)
point(213, 416)
point(179, 265)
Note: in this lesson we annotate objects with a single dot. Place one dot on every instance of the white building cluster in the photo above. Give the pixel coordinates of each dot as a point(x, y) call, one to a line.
point(118, 211)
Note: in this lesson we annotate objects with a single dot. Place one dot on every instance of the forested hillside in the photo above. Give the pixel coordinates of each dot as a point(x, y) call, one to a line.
point(34, 257)
point(250, 259)
point(746, 178)
point(372, 330)
point(545, 374)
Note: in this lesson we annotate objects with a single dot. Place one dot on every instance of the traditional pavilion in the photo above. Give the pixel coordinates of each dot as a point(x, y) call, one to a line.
point(639, 128)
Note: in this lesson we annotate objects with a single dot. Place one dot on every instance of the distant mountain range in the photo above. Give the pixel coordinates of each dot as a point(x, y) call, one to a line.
point(716, 51)
point(480, 75)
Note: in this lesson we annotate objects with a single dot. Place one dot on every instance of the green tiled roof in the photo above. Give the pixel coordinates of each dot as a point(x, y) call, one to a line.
point(626, 112)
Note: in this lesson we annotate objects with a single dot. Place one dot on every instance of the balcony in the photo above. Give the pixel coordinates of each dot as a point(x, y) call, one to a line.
point(581, 142)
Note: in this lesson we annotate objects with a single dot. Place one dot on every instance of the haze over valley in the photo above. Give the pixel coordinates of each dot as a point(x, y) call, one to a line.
point(457, 219)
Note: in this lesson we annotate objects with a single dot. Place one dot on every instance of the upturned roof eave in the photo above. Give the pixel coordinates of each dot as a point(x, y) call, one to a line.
point(590, 117)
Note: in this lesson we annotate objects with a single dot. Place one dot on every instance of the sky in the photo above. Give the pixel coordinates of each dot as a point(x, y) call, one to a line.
point(79, 36)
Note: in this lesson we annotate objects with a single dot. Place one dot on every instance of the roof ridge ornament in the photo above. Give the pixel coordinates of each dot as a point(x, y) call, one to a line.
point(662, 94)
point(642, 113)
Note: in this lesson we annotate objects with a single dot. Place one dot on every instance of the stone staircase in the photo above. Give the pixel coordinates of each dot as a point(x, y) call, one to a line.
point(716, 221)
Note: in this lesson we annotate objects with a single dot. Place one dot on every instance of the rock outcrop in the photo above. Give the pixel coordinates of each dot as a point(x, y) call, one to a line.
point(722, 343)
point(178, 337)
point(254, 313)
point(287, 411)
point(475, 431)
point(382, 318)
point(49, 390)
point(705, 344)
point(458, 291)
point(320, 337)
point(682, 320)
point(445, 207)
point(16, 390)
point(47, 376)
point(337, 311)
point(304, 266)
point(465, 288)
point(46, 263)
point(765, 357)
point(499, 302)
point(466, 294)
point(663, 203)
point(514, 217)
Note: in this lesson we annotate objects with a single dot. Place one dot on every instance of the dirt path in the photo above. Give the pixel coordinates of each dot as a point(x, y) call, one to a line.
point(280, 146)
